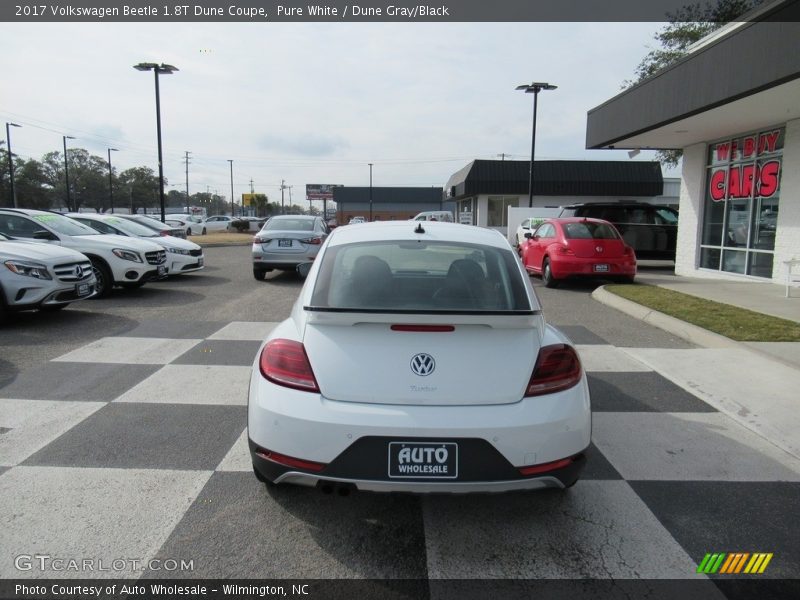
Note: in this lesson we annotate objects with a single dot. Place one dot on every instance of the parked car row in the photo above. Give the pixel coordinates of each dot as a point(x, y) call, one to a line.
point(50, 259)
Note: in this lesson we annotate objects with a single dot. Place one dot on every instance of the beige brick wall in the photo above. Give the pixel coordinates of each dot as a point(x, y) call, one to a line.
point(787, 239)
point(691, 211)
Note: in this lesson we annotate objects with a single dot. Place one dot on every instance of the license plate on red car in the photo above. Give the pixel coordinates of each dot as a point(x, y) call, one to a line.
point(284, 243)
point(429, 460)
point(601, 268)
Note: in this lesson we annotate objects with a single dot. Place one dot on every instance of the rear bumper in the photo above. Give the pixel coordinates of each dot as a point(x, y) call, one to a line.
point(332, 476)
point(586, 267)
point(281, 260)
point(351, 439)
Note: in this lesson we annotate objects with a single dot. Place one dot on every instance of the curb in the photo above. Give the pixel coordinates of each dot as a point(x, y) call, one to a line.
point(687, 331)
point(691, 333)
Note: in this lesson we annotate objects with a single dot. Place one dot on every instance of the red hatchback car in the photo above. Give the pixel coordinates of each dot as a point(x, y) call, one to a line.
point(578, 247)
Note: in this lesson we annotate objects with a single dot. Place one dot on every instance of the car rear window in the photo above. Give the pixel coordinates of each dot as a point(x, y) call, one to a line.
point(289, 225)
point(590, 231)
point(424, 277)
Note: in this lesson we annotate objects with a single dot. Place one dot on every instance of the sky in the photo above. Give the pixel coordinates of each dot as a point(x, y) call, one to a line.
point(308, 103)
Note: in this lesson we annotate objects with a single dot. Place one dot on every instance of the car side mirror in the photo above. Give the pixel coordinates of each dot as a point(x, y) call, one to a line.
point(303, 269)
point(43, 234)
point(528, 235)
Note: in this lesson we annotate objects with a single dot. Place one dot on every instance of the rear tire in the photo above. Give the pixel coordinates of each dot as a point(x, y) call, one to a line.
point(547, 275)
point(104, 279)
point(259, 275)
point(204, 231)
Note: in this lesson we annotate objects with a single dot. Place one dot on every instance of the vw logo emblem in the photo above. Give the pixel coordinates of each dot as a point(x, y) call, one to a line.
point(598, 248)
point(422, 364)
point(78, 271)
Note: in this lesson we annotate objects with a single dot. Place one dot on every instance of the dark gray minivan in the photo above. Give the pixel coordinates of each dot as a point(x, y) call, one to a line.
point(651, 229)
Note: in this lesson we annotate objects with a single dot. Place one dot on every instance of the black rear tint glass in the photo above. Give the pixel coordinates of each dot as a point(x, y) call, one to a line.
point(419, 277)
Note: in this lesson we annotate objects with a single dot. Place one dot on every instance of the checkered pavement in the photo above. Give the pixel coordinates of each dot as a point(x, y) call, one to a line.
point(135, 447)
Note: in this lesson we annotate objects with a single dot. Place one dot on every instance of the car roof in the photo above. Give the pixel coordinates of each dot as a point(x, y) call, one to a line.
point(614, 204)
point(295, 217)
point(439, 231)
point(562, 220)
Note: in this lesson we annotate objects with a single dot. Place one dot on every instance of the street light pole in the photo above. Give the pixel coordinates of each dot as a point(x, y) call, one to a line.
point(231, 161)
point(11, 164)
point(283, 187)
point(66, 170)
point(111, 180)
point(534, 88)
point(370, 192)
point(166, 70)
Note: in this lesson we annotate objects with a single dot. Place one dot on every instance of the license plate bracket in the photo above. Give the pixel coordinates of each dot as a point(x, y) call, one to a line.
point(423, 460)
point(284, 243)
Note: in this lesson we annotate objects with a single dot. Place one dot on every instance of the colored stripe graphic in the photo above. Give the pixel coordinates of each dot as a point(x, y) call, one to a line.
point(730, 563)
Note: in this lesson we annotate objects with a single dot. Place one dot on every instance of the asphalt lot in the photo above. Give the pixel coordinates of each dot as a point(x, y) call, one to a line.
point(123, 427)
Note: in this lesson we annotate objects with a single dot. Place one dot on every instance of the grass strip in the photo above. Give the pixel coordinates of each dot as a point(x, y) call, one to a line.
point(733, 322)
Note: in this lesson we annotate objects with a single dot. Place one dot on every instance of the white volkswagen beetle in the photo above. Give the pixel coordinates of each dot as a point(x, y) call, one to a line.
point(417, 358)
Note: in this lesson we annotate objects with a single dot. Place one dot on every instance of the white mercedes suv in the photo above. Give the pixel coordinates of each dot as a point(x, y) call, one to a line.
point(116, 260)
point(37, 276)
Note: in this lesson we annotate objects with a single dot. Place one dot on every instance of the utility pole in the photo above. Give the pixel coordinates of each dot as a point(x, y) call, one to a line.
point(252, 198)
point(187, 153)
point(231, 161)
point(283, 187)
point(370, 192)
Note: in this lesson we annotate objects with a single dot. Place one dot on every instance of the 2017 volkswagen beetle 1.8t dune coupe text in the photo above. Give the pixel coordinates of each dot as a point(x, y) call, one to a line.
point(417, 358)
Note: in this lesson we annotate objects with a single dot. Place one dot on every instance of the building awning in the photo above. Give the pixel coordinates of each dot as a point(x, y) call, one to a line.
point(557, 178)
point(746, 78)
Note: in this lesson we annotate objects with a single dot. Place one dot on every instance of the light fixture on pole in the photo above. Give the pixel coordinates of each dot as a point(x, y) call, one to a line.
point(370, 192)
point(231, 162)
point(66, 171)
point(534, 88)
point(634, 153)
point(158, 70)
point(111, 180)
point(11, 164)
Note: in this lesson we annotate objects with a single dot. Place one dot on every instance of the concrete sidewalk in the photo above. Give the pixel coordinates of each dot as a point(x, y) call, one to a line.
point(755, 383)
point(763, 297)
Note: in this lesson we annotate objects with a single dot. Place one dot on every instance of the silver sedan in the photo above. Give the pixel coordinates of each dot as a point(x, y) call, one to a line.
point(285, 241)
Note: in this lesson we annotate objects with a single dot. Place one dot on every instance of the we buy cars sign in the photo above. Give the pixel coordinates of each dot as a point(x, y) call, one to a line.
point(740, 181)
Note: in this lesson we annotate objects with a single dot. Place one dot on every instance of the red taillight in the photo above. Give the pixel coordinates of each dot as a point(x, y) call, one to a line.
point(627, 251)
point(557, 368)
point(290, 461)
point(429, 328)
point(565, 250)
point(285, 362)
point(258, 240)
point(545, 467)
point(314, 241)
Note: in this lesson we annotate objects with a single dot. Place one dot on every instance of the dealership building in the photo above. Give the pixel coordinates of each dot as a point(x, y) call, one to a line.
point(733, 106)
point(484, 190)
point(387, 203)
